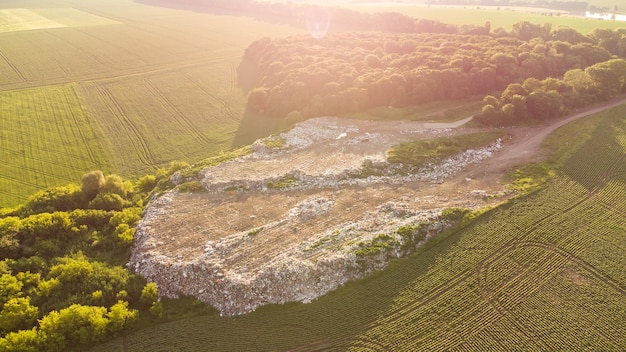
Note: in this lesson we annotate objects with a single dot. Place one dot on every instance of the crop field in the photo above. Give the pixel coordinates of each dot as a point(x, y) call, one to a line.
point(498, 18)
point(46, 139)
point(542, 272)
point(151, 84)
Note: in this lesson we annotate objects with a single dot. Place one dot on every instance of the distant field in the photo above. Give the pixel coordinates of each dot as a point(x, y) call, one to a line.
point(19, 19)
point(13, 20)
point(544, 272)
point(156, 84)
point(47, 139)
point(498, 18)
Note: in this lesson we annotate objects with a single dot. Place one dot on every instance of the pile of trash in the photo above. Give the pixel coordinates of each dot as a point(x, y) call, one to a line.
point(218, 272)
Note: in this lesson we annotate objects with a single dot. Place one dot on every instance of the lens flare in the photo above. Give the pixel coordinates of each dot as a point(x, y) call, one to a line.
point(317, 21)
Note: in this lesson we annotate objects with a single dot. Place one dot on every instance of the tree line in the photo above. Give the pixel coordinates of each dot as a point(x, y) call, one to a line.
point(571, 6)
point(297, 14)
point(553, 97)
point(350, 72)
point(63, 285)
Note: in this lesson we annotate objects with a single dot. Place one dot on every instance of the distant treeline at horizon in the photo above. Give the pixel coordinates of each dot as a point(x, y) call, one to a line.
point(571, 6)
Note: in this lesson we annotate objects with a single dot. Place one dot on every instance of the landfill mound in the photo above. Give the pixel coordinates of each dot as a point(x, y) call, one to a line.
point(302, 215)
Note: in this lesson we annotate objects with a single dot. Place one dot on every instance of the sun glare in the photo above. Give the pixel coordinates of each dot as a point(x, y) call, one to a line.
point(317, 21)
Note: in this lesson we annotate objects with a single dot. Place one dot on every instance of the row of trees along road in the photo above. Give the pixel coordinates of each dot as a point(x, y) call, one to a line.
point(350, 72)
point(552, 97)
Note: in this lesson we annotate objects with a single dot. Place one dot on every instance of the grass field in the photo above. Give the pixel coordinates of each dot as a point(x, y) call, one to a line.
point(498, 18)
point(543, 272)
point(155, 85)
point(46, 139)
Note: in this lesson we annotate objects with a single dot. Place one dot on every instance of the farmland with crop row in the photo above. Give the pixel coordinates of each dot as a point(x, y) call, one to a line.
point(46, 139)
point(153, 84)
point(503, 17)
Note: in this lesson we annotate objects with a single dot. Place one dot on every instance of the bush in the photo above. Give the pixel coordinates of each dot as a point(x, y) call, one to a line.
point(146, 183)
point(92, 184)
point(149, 294)
point(64, 198)
point(108, 201)
point(114, 184)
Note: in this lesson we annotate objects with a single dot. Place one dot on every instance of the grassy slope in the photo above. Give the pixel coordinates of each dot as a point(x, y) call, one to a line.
point(543, 272)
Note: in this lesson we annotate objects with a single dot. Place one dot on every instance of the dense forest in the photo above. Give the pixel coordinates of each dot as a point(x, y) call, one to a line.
point(537, 100)
point(350, 72)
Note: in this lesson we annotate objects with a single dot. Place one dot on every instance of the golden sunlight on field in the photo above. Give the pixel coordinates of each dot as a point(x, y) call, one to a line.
point(14, 20)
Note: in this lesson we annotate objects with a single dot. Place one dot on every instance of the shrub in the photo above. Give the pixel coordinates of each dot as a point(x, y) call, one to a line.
point(92, 184)
point(108, 201)
point(62, 198)
point(114, 184)
point(146, 183)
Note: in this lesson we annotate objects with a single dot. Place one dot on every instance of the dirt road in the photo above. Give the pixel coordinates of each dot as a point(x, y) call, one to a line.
point(525, 145)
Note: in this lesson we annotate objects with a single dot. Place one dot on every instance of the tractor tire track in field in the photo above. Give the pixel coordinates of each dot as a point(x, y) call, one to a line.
point(101, 77)
point(520, 241)
point(139, 143)
point(78, 49)
point(180, 117)
point(22, 199)
point(233, 77)
point(483, 267)
point(567, 257)
point(86, 143)
point(226, 110)
point(488, 296)
point(595, 272)
point(19, 73)
point(121, 49)
point(402, 312)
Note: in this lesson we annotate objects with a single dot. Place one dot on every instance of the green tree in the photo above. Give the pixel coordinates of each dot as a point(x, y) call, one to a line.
point(17, 314)
point(9, 243)
point(10, 287)
point(114, 184)
point(146, 183)
point(63, 198)
point(73, 326)
point(24, 341)
point(120, 317)
point(108, 201)
point(149, 294)
point(92, 183)
point(543, 105)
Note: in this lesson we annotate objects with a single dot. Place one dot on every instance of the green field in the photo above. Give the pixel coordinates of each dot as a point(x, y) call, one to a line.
point(544, 272)
point(150, 84)
point(498, 18)
point(46, 139)
point(155, 84)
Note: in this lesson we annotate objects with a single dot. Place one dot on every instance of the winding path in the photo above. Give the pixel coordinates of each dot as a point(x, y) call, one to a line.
point(526, 143)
